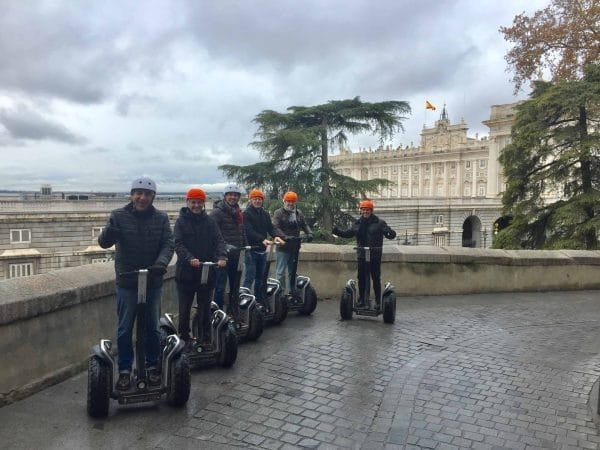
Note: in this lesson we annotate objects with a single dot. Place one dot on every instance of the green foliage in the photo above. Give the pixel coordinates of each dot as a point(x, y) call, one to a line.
point(552, 167)
point(295, 146)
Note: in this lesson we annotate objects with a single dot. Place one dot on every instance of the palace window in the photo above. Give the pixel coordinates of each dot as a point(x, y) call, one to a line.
point(20, 270)
point(467, 164)
point(481, 189)
point(482, 163)
point(438, 220)
point(20, 236)
point(467, 190)
point(96, 232)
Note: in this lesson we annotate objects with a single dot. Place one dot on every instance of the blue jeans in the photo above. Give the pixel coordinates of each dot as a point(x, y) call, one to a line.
point(285, 262)
point(126, 311)
point(255, 273)
point(221, 277)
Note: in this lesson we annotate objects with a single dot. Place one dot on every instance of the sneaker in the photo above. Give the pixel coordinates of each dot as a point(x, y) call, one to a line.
point(124, 381)
point(153, 377)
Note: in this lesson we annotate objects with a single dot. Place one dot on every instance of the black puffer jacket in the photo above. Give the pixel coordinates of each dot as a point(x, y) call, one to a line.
point(197, 236)
point(142, 239)
point(258, 226)
point(230, 221)
point(289, 223)
point(369, 233)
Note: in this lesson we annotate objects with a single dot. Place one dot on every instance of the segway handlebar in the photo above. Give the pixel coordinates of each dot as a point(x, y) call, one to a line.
point(302, 238)
point(133, 272)
point(205, 270)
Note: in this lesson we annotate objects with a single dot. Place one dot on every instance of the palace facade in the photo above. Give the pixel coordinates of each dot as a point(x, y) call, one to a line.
point(446, 191)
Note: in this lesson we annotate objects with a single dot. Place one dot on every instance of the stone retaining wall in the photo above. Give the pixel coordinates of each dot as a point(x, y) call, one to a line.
point(49, 322)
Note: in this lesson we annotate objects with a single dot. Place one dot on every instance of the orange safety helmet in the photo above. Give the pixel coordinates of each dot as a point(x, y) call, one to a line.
point(195, 194)
point(366, 204)
point(256, 193)
point(290, 197)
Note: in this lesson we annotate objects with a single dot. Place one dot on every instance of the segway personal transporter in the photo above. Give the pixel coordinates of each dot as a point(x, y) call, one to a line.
point(304, 297)
point(175, 371)
point(275, 304)
point(221, 346)
point(248, 314)
point(385, 305)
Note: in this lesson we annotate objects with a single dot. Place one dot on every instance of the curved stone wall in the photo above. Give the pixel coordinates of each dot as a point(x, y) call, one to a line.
point(49, 322)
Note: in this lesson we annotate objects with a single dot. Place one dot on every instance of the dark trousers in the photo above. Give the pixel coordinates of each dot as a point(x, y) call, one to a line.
point(229, 272)
point(372, 269)
point(256, 262)
point(185, 295)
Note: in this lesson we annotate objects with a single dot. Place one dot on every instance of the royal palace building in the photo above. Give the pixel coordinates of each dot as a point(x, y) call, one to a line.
point(446, 191)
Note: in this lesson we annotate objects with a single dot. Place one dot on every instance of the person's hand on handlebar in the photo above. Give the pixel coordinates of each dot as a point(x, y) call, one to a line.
point(267, 242)
point(195, 262)
point(278, 241)
point(221, 263)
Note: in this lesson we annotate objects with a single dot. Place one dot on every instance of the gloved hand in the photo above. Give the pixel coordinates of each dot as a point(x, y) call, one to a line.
point(112, 233)
point(309, 237)
point(157, 269)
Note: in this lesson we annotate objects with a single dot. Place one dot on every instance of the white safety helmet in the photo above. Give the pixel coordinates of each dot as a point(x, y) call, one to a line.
point(143, 183)
point(232, 188)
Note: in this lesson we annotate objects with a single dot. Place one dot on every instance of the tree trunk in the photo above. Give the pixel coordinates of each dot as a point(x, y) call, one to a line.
point(590, 238)
point(327, 219)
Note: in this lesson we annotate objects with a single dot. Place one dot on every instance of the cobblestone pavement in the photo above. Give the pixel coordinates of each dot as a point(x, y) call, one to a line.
point(479, 371)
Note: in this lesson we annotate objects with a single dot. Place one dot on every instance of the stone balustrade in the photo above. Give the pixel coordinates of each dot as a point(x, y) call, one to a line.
point(49, 322)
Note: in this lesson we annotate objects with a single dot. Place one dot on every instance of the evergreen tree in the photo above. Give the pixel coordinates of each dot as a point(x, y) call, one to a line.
point(554, 149)
point(295, 146)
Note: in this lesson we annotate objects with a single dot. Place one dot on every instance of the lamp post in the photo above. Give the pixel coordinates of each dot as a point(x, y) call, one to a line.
point(485, 235)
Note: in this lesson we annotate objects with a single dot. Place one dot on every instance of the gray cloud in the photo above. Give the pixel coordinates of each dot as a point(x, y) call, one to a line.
point(23, 123)
point(169, 88)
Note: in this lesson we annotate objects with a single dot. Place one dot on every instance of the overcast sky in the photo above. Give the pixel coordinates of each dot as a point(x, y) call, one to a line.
point(95, 93)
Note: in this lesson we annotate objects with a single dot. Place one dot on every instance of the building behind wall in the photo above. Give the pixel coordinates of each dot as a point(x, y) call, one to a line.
point(38, 235)
point(446, 191)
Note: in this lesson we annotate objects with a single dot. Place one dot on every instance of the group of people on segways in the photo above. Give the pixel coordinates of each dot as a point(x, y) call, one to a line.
point(212, 251)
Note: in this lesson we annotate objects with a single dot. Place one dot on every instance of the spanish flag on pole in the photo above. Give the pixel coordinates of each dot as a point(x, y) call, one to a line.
point(429, 105)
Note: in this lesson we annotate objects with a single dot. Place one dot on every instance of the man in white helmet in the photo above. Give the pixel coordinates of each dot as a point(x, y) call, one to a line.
point(144, 240)
point(229, 218)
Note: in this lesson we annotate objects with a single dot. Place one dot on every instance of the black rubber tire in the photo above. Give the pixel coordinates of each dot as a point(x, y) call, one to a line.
point(346, 306)
point(256, 325)
point(310, 301)
point(178, 390)
point(99, 387)
point(389, 308)
point(281, 310)
point(230, 346)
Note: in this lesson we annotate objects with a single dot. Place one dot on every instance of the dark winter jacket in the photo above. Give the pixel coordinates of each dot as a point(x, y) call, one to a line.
point(142, 239)
point(230, 221)
point(258, 226)
point(197, 236)
point(289, 223)
point(369, 233)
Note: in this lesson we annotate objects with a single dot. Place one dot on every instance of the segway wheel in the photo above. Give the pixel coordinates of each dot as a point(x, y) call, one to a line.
point(389, 308)
point(178, 390)
point(281, 309)
point(310, 301)
point(256, 325)
point(99, 387)
point(230, 348)
point(346, 306)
